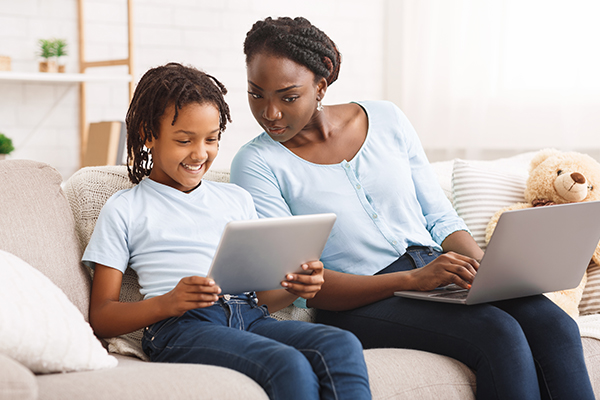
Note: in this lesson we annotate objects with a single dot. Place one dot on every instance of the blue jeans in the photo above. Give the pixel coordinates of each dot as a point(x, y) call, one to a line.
point(288, 359)
point(525, 348)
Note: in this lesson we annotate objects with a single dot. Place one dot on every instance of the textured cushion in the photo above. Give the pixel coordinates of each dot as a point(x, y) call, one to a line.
point(292, 312)
point(590, 301)
point(37, 225)
point(87, 191)
point(40, 327)
point(479, 192)
point(16, 381)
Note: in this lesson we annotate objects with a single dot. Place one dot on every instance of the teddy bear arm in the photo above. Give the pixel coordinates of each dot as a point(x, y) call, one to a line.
point(494, 220)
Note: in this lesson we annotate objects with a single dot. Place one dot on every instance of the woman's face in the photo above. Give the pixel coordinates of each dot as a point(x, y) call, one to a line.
point(282, 95)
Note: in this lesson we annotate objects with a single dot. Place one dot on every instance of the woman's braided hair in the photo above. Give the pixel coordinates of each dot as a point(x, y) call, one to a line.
point(159, 88)
point(298, 40)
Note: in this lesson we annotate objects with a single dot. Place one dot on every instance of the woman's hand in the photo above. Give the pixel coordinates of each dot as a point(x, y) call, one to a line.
point(446, 269)
point(305, 285)
point(190, 293)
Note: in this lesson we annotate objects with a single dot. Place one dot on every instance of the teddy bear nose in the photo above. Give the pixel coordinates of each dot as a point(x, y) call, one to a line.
point(577, 177)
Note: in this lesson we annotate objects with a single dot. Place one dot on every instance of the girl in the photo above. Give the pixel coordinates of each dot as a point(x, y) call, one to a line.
point(167, 229)
point(395, 229)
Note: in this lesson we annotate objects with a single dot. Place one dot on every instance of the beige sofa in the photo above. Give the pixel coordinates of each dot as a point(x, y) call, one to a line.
point(46, 223)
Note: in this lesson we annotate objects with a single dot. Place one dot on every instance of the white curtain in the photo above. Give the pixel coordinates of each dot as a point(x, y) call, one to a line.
point(486, 78)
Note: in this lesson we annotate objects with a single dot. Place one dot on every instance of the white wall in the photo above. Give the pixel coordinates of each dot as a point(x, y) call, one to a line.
point(42, 118)
point(488, 78)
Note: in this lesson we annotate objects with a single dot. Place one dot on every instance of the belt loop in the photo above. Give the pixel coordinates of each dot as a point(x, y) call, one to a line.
point(253, 297)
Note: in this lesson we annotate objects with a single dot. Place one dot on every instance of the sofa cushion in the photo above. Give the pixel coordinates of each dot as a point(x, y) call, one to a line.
point(443, 173)
point(413, 374)
point(135, 379)
point(479, 192)
point(16, 381)
point(40, 327)
point(591, 352)
point(37, 226)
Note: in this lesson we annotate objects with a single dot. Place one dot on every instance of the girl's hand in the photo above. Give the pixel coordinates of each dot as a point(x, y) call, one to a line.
point(191, 292)
point(446, 269)
point(305, 285)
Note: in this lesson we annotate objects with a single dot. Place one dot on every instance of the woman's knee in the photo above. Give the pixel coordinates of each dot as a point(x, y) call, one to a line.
point(499, 333)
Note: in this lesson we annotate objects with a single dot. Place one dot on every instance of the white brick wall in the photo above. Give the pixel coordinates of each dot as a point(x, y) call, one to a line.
point(42, 118)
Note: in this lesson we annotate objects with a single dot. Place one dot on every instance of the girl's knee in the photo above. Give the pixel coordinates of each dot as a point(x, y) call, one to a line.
point(351, 341)
point(289, 376)
point(336, 337)
point(286, 364)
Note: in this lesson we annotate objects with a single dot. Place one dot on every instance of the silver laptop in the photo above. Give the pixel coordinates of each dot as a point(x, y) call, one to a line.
point(255, 255)
point(532, 251)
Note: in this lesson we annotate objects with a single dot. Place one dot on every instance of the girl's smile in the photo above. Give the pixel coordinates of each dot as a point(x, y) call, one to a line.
point(185, 148)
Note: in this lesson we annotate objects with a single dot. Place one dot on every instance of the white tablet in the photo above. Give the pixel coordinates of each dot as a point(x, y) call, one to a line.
point(255, 255)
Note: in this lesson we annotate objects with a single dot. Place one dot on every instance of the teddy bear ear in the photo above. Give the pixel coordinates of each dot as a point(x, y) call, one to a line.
point(541, 156)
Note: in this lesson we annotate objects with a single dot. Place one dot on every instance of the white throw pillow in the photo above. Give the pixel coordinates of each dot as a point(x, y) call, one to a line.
point(479, 190)
point(40, 327)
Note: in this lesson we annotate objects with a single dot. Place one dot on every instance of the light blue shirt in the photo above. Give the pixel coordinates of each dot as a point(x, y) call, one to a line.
point(165, 234)
point(386, 198)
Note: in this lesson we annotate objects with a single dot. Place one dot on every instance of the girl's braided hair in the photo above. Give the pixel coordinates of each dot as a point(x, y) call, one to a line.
point(298, 40)
point(159, 88)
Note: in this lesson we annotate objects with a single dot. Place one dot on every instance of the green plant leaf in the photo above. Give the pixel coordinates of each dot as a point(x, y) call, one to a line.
point(6, 146)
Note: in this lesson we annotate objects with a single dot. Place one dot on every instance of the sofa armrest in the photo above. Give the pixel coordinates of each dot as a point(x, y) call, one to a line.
point(16, 381)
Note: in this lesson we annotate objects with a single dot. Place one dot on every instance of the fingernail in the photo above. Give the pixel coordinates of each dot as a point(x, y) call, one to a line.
point(289, 277)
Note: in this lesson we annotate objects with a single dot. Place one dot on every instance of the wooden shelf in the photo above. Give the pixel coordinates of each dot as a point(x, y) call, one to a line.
point(60, 77)
point(83, 78)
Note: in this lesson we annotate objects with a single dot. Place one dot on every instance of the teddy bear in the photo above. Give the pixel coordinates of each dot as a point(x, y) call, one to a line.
point(557, 177)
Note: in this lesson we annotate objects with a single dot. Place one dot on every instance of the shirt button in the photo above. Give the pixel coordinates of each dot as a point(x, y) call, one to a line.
point(347, 165)
point(394, 242)
point(374, 216)
point(358, 186)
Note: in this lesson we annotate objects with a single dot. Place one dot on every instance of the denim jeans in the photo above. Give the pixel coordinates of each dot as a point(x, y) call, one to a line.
point(525, 348)
point(289, 359)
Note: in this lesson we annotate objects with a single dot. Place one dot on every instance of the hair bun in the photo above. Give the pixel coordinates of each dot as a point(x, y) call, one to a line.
point(298, 40)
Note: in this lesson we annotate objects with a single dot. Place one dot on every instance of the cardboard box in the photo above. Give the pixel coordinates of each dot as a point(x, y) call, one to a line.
point(106, 144)
point(4, 63)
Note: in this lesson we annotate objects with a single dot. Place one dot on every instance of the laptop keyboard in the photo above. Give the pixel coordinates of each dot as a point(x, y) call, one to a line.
point(456, 294)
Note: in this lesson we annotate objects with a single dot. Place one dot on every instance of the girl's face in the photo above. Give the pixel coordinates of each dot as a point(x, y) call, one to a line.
point(184, 151)
point(282, 95)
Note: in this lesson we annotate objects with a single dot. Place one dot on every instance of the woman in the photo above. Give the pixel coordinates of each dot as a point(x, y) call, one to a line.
point(395, 228)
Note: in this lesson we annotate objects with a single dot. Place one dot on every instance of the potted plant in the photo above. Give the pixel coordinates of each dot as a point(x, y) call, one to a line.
point(60, 49)
point(6, 146)
point(47, 52)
